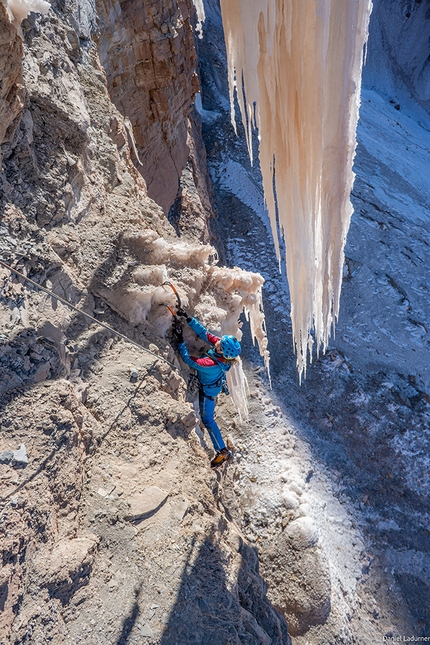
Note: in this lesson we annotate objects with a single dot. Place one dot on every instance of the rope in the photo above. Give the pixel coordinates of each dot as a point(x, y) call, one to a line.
point(68, 304)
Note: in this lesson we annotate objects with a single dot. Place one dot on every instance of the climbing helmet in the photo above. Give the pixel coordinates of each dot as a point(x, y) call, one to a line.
point(230, 347)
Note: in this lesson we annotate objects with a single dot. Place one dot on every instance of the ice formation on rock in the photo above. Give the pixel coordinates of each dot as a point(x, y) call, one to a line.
point(216, 295)
point(238, 291)
point(296, 66)
point(17, 10)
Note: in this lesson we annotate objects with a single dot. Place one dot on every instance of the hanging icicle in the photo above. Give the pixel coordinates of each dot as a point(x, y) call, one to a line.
point(296, 68)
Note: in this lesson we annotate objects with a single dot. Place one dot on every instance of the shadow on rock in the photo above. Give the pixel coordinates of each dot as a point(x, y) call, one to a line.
point(213, 608)
point(130, 621)
point(417, 594)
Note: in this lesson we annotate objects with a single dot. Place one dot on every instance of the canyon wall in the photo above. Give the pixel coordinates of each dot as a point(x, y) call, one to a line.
point(113, 529)
point(149, 56)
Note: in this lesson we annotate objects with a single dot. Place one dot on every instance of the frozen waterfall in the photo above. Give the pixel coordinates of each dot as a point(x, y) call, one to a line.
point(296, 67)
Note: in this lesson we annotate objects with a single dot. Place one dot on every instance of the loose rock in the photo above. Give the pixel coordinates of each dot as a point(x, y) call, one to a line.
point(6, 456)
point(146, 503)
point(19, 457)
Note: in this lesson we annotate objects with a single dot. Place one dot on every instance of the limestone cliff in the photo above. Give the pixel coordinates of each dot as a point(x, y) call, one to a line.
point(149, 56)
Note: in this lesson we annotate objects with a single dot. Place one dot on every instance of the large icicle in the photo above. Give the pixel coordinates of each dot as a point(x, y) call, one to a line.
point(296, 66)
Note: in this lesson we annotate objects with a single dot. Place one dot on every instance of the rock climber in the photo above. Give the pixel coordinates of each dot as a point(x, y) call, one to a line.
point(211, 373)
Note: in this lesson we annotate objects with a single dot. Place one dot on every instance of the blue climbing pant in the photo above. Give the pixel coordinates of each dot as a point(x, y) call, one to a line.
point(207, 409)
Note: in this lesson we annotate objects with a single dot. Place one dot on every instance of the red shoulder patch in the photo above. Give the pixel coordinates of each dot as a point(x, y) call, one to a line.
point(206, 361)
point(212, 339)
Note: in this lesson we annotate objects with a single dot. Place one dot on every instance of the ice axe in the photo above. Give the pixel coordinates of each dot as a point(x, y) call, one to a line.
point(175, 291)
point(172, 311)
point(176, 325)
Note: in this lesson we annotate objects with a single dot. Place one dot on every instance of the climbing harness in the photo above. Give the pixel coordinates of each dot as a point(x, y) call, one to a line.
point(68, 304)
point(221, 381)
point(218, 383)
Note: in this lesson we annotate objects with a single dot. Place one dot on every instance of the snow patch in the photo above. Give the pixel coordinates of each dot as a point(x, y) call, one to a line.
point(400, 147)
point(412, 448)
point(207, 116)
point(201, 17)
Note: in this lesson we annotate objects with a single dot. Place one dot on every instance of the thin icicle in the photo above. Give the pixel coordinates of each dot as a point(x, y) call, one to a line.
point(254, 313)
point(238, 386)
point(300, 63)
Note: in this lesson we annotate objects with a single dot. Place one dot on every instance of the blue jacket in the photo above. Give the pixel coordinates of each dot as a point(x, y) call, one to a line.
point(211, 369)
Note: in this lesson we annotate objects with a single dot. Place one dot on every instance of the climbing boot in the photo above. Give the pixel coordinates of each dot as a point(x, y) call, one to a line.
point(221, 457)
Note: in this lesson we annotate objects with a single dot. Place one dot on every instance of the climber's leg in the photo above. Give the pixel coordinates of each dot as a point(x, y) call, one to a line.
point(207, 408)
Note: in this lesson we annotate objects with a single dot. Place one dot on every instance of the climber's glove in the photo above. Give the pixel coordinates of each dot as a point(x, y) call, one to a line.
point(177, 332)
point(183, 314)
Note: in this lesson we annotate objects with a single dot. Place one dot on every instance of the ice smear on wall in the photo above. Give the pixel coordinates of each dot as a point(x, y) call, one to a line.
point(296, 66)
point(17, 10)
point(238, 291)
point(217, 296)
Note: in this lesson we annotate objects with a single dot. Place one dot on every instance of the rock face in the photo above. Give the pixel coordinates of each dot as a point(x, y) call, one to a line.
point(12, 93)
point(300, 577)
point(398, 61)
point(149, 55)
point(113, 532)
point(37, 517)
point(116, 530)
point(65, 566)
point(146, 503)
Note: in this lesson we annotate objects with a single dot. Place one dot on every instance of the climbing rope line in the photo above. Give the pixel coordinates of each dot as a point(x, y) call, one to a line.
point(68, 304)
